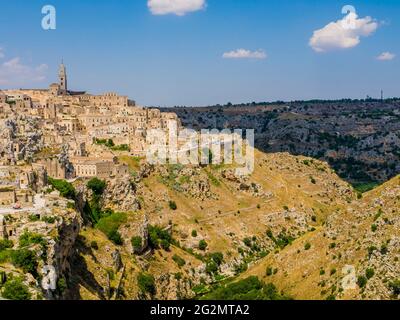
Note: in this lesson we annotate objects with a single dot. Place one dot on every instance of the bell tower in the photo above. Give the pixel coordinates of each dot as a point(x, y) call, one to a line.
point(62, 76)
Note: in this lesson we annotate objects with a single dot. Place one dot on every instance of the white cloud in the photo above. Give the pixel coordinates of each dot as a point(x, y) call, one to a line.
point(178, 7)
point(245, 54)
point(386, 56)
point(14, 73)
point(343, 34)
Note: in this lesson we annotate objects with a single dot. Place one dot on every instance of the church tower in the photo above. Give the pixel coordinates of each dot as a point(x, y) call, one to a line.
point(62, 76)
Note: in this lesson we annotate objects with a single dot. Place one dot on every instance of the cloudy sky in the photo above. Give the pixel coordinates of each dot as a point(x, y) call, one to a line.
point(200, 52)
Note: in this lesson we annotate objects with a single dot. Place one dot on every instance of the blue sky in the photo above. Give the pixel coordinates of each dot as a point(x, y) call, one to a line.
point(169, 59)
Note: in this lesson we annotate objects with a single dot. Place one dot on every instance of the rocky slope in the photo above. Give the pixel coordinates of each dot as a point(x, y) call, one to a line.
point(354, 255)
point(240, 219)
point(360, 139)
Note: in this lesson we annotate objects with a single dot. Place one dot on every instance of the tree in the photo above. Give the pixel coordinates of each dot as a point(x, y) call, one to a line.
point(14, 289)
point(65, 188)
point(97, 186)
point(26, 260)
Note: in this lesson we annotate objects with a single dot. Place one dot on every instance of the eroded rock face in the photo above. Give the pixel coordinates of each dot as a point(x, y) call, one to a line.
point(120, 195)
point(191, 181)
point(243, 183)
point(60, 250)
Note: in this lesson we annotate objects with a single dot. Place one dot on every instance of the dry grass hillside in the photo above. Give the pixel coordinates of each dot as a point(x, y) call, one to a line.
point(354, 255)
point(208, 211)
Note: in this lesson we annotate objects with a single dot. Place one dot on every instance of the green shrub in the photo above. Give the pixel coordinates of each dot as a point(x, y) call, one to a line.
point(247, 241)
point(146, 283)
point(250, 288)
point(362, 281)
point(29, 238)
point(94, 245)
point(217, 257)
point(49, 220)
point(97, 186)
point(194, 233)
point(65, 188)
point(307, 246)
point(6, 244)
point(269, 271)
point(165, 244)
point(179, 261)
point(369, 273)
point(172, 205)
point(33, 218)
point(395, 287)
point(203, 245)
point(156, 235)
point(26, 260)
point(211, 267)
point(137, 243)
point(14, 289)
point(115, 237)
point(61, 285)
point(374, 227)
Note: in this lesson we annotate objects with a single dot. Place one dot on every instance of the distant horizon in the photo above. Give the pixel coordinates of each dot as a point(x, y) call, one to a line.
point(224, 104)
point(205, 52)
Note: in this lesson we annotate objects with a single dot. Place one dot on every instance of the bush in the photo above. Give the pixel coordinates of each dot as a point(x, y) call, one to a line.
point(137, 243)
point(211, 267)
point(307, 246)
point(94, 245)
point(247, 242)
point(172, 205)
point(26, 260)
point(369, 273)
point(97, 186)
point(14, 289)
point(395, 287)
point(269, 272)
point(65, 188)
point(165, 244)
point(203, 245)
point(33, 218)
point(61, 285)
point(6, 244)
point(362, 281)
point(146, 283)
point(156, 235)
point(115, 237)
point(179, 261)
point(28, 238)
point(217, 257)
point(194, 233)
point(250, 288)
point(50, 220)
point(374, 227)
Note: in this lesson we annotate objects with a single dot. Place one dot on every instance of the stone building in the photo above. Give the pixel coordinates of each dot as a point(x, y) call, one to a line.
point(108, 99)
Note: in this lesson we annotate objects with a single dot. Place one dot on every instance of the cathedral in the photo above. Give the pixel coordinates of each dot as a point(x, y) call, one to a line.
point(61, 88)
